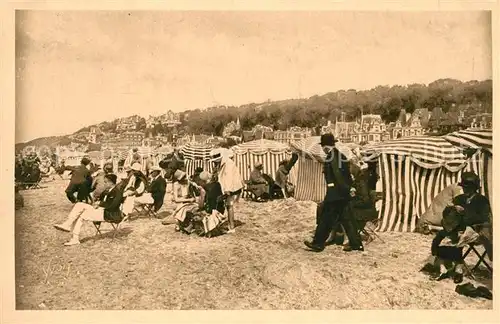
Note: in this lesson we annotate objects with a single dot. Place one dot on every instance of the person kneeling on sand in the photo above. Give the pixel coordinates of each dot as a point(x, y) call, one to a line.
point(108, 210)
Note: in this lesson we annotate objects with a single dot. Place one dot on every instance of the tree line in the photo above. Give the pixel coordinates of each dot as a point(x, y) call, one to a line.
point(449, 94)
point(387, 101)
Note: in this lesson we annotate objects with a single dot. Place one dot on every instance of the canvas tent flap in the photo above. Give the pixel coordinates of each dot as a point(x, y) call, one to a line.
point(193, 151)
point(310, 148)
point(479, 139)
point(196, 156)
point(269, 153)
point(261, 146)
point(426, 151)
point(434, 214)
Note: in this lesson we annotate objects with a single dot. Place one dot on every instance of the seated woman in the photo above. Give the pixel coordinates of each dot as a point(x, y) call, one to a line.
point(258, 184)
point(135, 188)
point(187, 202)
point(108, 210)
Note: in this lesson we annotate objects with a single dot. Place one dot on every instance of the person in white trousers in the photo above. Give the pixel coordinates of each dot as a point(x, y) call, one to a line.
point(108, 210)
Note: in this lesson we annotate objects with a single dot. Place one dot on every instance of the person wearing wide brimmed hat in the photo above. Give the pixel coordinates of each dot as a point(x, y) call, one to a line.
point(135, 188)
point(257, 184)
point(338, 180)
point(185, 199)
point(80, 182)
point(228, 175)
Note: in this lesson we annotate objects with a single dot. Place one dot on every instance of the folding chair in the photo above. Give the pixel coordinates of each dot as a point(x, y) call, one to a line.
point(115, 225)
point(247, 193)
point(472, 247)
point(369, 231)
point(147, 209)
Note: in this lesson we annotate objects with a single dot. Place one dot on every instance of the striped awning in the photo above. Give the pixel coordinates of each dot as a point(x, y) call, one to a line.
point(144, 150)
point(427, 151)
point(194, 151)
point(261, 146)
point(478, 139)
point(123, 154)
point(310, 148)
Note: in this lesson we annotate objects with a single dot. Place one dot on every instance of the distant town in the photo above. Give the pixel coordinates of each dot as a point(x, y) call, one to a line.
point(369, 128)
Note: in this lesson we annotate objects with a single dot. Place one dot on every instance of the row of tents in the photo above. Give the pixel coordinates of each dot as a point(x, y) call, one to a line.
point(412, 170)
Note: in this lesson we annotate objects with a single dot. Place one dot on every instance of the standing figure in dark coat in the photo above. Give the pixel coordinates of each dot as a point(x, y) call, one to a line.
point(80, 182)
point(339, 182)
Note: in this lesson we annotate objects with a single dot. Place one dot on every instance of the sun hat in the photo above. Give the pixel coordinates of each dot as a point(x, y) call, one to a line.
point(258, 164)
point(136, 166)
point(216, 155)
point(155, 168)
point(179, 175)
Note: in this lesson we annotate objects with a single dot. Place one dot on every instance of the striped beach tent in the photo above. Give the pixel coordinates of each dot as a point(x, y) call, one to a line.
point(310, 182)
point(483, 141)
point(268, 152)
point(413, 171)
point(196, 155)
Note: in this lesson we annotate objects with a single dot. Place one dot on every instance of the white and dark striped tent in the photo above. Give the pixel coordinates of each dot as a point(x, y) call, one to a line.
point(478, 139)
point(413, 171)
point(483, 141)
point(310, 182)
point(196, 155)
point(268, 152)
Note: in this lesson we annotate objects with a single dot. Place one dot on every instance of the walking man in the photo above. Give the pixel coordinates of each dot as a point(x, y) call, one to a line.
point(338, 181)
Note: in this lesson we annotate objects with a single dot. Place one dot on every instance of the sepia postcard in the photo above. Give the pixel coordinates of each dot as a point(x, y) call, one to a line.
point(328, 157)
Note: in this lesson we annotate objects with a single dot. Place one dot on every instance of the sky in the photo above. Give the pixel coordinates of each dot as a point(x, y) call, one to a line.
point(74, 69)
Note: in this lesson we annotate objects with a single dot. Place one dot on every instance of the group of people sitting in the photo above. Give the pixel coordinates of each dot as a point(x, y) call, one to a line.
point(107, 197)
point(27, 170)
point(204, 202)
point(263, 187)
point(467, 219)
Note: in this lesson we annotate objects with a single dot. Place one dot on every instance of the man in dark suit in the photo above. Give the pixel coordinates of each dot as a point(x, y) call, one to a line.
point(108, 210)
point(80, 182)
point(338, 193)
point(156, 190)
